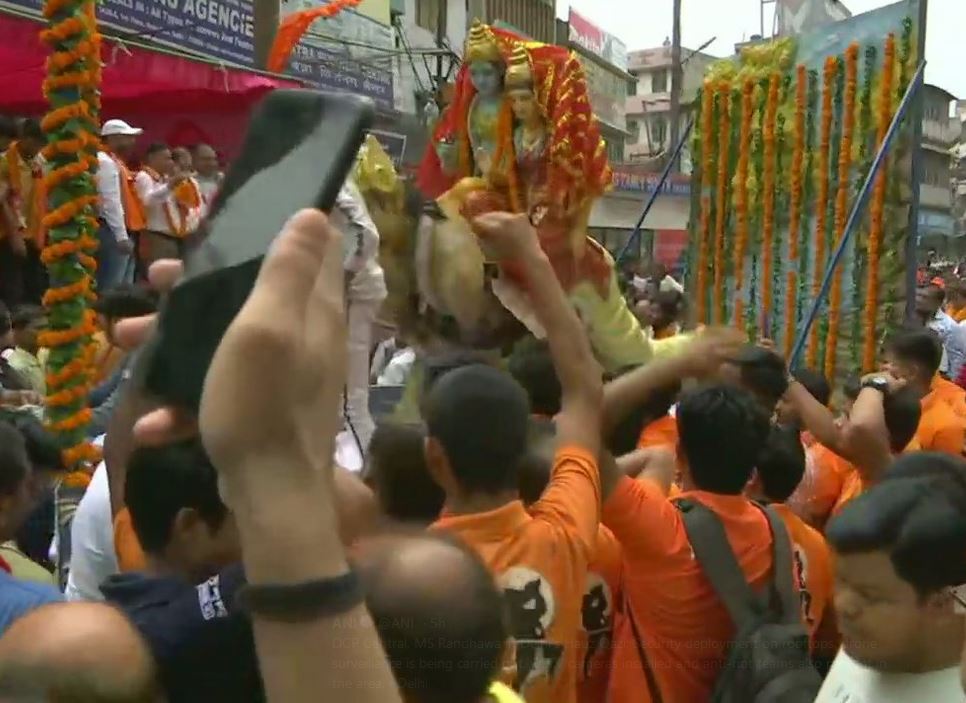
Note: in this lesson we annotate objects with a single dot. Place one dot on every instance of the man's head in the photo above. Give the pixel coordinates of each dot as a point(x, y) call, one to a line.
point(158, 156)
point(780, 466)
point(182, 159)
point(396, 469)
point(759, 371)
point(177, 512)
point(623, 438)
point(913, 356)
point(119, 136)
point(537, 464)
point(929, 299)
point(123, 302)
point(532, 367)
point(665, 308)
point(76, 652)
point(476, 419)
point(899, 547)
point(27, 322)
point(722, 430)
point(815, 383)
point(205, 161)
point(440, 616)
point(8, 131)
point(32, 138)
point(902, 411)
point(956, 293)
point(16, 488)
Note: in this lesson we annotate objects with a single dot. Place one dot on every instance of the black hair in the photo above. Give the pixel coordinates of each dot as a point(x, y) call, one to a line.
point(30, 129)
point(916, 513)
point(435, 367)
point(902, 411)
point(624, 437)
point(671, 303)
point(763, 373)
point(479, 416)
point(536, 466)
point(781, 464)
point(532, 366)
point(815, 383)
point(127, 300)
point(403, 486)
point(41, 445)
point(24, 315)
point(851, 387)
point(14, 460)
point(919, 346)
point(444, 645)
point(722, 430)
point(155, 148)
point(161, 481)
point(8, 127)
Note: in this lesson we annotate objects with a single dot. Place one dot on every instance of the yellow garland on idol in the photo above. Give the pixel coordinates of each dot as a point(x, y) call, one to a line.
point(72, 87)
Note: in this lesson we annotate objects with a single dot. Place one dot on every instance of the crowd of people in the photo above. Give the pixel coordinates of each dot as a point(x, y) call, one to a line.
point(710, 526)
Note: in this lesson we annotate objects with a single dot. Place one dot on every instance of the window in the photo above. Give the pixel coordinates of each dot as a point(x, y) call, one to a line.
point(427, 13)
point(634, 127)
point(632, 87)
point(659, 81)
point(658, 131)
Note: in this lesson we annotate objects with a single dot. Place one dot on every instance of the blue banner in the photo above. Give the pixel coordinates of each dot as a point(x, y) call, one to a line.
point(646, 183)
point(219, 29)
point(338, 72)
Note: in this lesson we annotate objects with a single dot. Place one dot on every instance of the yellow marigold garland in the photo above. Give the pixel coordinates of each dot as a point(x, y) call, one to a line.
point(704, 235)
point(71, 87)
point(795, 207)
point(768, 185)
point(741, 200)
point(842, 202)
point(724, 142)
point(883, 118)
point(821, 203)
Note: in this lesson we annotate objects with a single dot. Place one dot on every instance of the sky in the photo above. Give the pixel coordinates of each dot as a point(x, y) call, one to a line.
point(643, 24)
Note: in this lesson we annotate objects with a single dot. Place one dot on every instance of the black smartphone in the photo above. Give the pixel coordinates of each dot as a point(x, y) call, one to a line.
point(299, 149)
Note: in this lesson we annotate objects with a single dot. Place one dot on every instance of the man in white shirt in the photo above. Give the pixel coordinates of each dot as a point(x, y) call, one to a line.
point(167, 220)
point(929, 302)
point(207, 173)
point(92, 558)
point(118, 210)
point(900, 566)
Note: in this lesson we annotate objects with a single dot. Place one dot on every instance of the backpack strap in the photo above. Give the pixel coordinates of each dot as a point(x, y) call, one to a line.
point(653, 689)
point(782, 566)
point(719, 565)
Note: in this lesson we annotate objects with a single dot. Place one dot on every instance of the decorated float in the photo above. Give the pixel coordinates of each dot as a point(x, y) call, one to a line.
point(784, 140)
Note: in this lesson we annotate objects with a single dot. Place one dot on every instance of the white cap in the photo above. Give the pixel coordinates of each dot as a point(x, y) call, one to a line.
point(113, 128)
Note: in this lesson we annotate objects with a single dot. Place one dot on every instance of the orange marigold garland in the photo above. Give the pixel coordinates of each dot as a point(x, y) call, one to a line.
point(795, 207)
point(877, 209)
point(842, 202)
point(71, 87)
point(741, 200)
point(821, 203)
point(704, 234)
point(768, 197)
point(724, 140)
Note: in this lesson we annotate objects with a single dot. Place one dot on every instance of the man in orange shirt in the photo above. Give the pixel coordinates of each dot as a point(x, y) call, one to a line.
point(913, 356)
point(476, 420)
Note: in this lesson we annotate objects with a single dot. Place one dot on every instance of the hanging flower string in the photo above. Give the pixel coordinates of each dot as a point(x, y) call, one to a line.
point(778, 251)
point(877, 209)
point(795, 217)
point(704, 236)
point(842, 203)
point(71, 87)
point(768, 198)
point(741, 201)
point(724, 133)
point(821, 204)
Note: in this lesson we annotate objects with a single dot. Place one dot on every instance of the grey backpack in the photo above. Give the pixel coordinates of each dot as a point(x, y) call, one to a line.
point(768, 659)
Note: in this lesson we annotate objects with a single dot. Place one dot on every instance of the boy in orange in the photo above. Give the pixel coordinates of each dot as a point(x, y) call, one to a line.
point(914, 356)
point(476, 420)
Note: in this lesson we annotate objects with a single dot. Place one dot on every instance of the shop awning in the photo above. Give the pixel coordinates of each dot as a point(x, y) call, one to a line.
point(617, 211)
point(135, 78)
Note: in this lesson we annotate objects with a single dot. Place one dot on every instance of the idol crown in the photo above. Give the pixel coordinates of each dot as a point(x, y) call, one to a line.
point(481, 45)
point(518, 72)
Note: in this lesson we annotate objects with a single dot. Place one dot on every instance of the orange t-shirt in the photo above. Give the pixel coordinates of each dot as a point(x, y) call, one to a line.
point(540, 560)
point(826, 474)
point(814, 568)
point(940, 430)
point(596, 637)
point(951, 394)
point(130, 556)
point(684, 626)
point(660, 433)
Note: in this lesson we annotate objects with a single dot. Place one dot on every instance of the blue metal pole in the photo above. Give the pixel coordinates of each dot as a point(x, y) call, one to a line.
point(855, 213)
point(657, 191)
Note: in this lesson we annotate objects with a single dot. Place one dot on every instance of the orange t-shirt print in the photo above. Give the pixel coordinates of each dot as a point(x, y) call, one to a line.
point(540, 560)
point(596, 636)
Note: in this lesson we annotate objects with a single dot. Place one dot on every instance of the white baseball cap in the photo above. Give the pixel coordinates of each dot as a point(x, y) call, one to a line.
point(113, 128)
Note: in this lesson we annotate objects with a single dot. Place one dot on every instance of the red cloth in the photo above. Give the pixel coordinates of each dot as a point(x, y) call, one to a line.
point(4, 566)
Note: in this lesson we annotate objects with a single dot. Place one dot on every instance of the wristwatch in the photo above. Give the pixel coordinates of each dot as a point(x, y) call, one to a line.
point(877, 383)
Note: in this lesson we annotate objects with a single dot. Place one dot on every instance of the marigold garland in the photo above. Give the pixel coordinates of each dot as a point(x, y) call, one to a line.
point(795, 217)
point(768, 200)
point(708, 98)
point(842, 202)
point(883, 118)
point(724, 131)
point(828, 86)
point(71, 87)
point(741, 200)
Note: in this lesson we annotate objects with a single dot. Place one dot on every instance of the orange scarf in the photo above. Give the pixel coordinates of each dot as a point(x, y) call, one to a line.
point(186, 199)
point(13, 171)
point(133, 209)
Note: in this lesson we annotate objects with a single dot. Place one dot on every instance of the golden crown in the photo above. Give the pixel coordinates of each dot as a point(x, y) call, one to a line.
point(481, 44)
point(519, 73)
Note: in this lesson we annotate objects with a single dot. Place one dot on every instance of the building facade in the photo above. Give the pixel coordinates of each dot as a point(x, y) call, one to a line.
point(940, 135)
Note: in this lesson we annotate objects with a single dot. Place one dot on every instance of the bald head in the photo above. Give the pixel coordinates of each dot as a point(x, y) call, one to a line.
point(439, 614)
point(205, 160)
point(76, 652)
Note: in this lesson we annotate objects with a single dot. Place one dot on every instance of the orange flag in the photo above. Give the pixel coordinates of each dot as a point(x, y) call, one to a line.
point(295, 25)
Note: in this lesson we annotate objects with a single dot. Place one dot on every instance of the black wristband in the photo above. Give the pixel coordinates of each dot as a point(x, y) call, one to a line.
point(299, 602)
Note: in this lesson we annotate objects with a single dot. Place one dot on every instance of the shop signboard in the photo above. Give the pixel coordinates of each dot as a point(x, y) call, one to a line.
point(630, 181)
point(592, 38)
